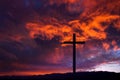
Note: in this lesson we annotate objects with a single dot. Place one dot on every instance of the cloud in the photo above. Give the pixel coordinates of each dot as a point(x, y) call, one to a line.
point(31, 33)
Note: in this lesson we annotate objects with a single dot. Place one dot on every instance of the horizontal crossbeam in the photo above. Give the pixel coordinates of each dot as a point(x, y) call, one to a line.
point(74, 42)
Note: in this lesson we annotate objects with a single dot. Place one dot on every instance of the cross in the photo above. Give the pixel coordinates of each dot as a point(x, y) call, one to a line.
point(74, 42)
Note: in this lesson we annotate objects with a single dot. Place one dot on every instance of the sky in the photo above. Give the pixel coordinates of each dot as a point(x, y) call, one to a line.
point(31, 33)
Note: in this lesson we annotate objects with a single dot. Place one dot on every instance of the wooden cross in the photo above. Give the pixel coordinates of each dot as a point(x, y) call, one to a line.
point(74, 42)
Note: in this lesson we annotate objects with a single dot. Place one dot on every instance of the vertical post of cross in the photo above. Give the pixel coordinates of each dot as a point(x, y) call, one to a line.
point(74, 54)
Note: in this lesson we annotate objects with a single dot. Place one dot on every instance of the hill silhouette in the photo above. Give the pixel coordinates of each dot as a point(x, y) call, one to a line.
point(68, 76)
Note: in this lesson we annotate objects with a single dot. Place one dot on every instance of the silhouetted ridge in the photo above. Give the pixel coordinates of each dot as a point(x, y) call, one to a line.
point(68, 76)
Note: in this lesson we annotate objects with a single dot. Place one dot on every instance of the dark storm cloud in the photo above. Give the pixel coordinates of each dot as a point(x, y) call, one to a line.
point(13, 52)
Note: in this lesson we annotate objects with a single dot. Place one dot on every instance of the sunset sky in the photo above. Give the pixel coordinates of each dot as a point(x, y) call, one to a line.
point(31, 33)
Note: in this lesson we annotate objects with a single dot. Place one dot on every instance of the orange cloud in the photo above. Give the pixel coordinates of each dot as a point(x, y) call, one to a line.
point(93, 29)
point(49, 31)
point(115, 45)
point(62, 1)
point(106, 46)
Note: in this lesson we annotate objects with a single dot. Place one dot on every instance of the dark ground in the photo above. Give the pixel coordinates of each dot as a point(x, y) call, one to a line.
point(69, 76)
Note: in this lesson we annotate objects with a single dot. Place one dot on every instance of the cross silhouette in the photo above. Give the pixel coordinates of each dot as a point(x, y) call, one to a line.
point(74, 42)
